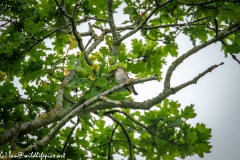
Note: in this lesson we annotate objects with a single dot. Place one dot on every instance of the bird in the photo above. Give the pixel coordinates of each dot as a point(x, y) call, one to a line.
point(121, 77)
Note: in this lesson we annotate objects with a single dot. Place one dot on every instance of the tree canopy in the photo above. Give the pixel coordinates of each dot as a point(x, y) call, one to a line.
point(71, 103)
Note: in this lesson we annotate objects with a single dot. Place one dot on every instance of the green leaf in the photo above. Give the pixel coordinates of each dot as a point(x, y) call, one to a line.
point(104, 51)
point(130, 10)
point(122, 53)
point(191, 137)
point(86, 121)
point(101, 82)
point(172, 49)
point(137, 46)
point(92, 93)
point(80, 133)
point(233, 48)
point(188, 112)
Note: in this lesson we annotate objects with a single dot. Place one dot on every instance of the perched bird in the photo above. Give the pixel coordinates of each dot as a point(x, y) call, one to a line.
point(121, 77)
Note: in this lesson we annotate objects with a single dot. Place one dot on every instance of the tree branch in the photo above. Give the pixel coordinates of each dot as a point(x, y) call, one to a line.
point(113, 29)
point(63, 115)
point(143, 126)
point(104, 144)
point(74, 28)
point(235, 58)
point(97, 41)
point(43, 105)
point(70, 134)
point(126, 134)
point(196, 4)
point(44, 141)
point(69, 100)
point(179, 60)
point(56, 115)
point(110, 142)
point(144, 22)
point(111, 21)
point(14, 140)
point(146, 105)
point(105, 30)
point(194, 80)
point(110, 101)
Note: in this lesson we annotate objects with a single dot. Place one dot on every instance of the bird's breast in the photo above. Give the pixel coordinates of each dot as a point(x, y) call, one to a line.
point(120, 78)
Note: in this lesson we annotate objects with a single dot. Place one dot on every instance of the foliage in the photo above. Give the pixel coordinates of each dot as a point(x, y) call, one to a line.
point(67, 76)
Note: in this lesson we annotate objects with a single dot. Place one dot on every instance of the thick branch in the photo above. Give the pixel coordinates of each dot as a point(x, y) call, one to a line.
point(37, 123)
point(146, 105)
point(111, 21)
point(63, 85)
point(44, 141)
point(62, 115)
point(113, 29)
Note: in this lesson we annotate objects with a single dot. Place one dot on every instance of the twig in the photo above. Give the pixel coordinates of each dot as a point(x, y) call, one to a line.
point(40, 40)
point(143, 126)
point(144, 21)
point(235, 58)
point(216, 26)
point(104, 144)
point(69, 100)
point(75, 11)
point(74, 28)
point(44, 105)
point(142, 14)
point(126, 134)
point(194, 80)
point(70, 134)
point(195, 4)
point(110, 142)
point(89, 41)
